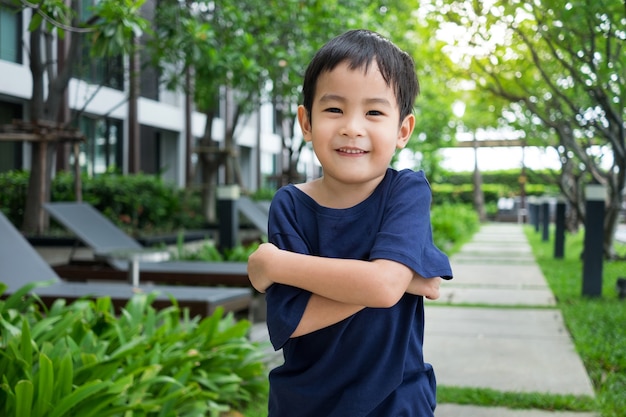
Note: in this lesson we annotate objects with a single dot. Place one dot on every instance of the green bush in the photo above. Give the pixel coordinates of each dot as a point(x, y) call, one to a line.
point(13, 196)
point(134, 202)
point(208, 252)
point(453, 224)
point(456, 187)
point(80, 359)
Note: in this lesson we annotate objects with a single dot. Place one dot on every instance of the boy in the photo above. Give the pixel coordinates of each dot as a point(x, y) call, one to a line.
point(344, 272)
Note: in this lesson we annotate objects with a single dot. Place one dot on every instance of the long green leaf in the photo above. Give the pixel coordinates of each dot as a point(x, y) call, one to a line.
point(9, 406)
point(23, 398)
point(16, 300)
point(79, 395)
point(105, 406)
point(44, 386)
point(26, 348)
point(51, 327)
point(8, 329)
point(63, 386)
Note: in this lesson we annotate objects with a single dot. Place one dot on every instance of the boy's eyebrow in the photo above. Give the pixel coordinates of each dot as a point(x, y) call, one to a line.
point(336, 97)
point(332, 97)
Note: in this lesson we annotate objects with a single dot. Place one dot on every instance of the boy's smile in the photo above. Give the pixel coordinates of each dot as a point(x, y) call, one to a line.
point(354, 127)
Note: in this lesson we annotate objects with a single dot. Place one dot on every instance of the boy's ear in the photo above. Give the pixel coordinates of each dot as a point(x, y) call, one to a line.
point(305, 123)
point(405, 131)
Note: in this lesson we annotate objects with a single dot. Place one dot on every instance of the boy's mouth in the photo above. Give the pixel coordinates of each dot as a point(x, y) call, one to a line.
point(351, 151)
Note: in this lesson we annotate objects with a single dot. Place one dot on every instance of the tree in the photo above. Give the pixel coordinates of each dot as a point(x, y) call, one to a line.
point(109, 26)
point(561, 67)
point(241, 54)
point(211, 49)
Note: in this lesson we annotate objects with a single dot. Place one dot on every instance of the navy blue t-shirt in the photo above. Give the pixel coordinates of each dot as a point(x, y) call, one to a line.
point(370, 364)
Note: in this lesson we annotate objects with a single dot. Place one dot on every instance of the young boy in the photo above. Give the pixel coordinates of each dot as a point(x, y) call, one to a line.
point(351, 253)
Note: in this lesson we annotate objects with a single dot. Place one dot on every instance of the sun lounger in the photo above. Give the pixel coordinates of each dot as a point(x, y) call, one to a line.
point(102, 236)
point(20, 265)
point(254, 212)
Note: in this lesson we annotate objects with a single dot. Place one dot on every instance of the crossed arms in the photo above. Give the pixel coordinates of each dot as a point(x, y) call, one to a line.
point(339, 287)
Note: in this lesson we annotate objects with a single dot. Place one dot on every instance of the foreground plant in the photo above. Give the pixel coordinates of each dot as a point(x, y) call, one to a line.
point(81, 359)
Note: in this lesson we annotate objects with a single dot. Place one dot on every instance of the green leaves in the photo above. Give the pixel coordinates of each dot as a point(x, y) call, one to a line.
point(118, 23)
point(83, 359)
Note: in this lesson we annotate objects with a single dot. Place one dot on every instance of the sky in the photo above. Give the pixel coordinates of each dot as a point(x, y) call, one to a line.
point(491, 159)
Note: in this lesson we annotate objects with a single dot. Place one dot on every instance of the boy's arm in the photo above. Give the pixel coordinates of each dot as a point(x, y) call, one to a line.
point(322, 312)
point(428, 287)
point(379, 283)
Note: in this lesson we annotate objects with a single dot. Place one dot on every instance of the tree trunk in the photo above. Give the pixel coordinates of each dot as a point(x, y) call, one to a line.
point(45, 109)
point(188, 127)
point(134, 161)
point(477, 179)
point(36, 193)
point(210, 159)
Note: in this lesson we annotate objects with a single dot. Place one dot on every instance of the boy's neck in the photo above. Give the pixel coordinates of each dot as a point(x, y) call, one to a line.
point(333, 194)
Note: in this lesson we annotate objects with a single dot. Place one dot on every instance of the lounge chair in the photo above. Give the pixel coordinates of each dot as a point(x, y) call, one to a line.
point(102, 236)
point(20, 264)
point(256, 213)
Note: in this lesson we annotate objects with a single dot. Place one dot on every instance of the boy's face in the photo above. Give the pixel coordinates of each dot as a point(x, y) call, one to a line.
point(354, 124)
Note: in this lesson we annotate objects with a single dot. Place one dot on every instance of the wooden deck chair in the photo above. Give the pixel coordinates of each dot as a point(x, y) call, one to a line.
point(20, 264)
point(102, 236)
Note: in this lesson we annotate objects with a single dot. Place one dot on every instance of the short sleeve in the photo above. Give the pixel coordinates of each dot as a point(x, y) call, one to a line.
point(406, 234)
point(285, 304)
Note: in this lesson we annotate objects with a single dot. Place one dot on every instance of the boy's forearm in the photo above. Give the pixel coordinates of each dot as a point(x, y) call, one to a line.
point(380, 283)
point(322, 312)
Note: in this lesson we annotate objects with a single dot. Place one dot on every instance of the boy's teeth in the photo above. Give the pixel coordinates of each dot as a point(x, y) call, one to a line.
point(351, 150)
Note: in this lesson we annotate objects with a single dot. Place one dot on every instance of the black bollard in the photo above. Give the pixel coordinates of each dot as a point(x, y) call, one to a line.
point(593, 256)
point(227, 196)
point(559, 233)
point(533, 211)
point(545, 219)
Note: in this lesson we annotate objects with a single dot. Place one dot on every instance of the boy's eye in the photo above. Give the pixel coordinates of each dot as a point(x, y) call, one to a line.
point(374, 113)
point(333, 110)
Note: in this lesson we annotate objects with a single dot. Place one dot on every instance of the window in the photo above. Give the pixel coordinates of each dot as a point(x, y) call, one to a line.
point(10, 34)
point(103, 149)
point(106, 71)
point(11, 152)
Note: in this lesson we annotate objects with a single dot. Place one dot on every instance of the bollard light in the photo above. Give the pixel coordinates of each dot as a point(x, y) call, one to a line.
point(559, 230)
point(227, 197)
point(594, 240)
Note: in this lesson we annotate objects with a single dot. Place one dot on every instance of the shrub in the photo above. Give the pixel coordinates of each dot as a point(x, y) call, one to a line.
point(80, 359)
point(453, 224)
point(13, 196)
point(456, 187)
point(133, 202)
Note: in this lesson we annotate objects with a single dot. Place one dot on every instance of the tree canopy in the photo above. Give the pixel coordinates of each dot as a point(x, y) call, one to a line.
point(560, 68)
point(552, 69)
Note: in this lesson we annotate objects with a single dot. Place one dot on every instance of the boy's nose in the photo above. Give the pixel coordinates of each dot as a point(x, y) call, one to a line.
point(352, 126)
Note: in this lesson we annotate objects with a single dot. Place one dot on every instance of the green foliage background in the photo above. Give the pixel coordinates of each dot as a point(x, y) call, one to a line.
point(81, 359)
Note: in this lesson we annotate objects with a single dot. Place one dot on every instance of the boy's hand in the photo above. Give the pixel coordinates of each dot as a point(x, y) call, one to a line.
point(258, 263)
point(428, 287)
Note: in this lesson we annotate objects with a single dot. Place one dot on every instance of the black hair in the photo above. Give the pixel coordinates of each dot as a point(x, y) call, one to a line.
point(359, 48)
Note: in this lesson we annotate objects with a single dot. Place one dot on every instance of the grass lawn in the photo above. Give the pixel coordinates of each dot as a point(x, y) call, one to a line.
point(598, 324)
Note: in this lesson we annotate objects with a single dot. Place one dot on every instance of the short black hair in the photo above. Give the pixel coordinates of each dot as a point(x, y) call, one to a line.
point(359, 48)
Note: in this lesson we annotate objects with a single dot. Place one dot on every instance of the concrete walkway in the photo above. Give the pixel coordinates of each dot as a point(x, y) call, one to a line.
point(479, 341)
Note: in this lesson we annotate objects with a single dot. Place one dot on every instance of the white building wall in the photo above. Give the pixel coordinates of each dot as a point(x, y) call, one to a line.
point(167, 114)
point(15, 80)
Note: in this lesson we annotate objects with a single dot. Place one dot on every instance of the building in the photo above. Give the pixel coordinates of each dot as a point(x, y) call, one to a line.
point(98, 101)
